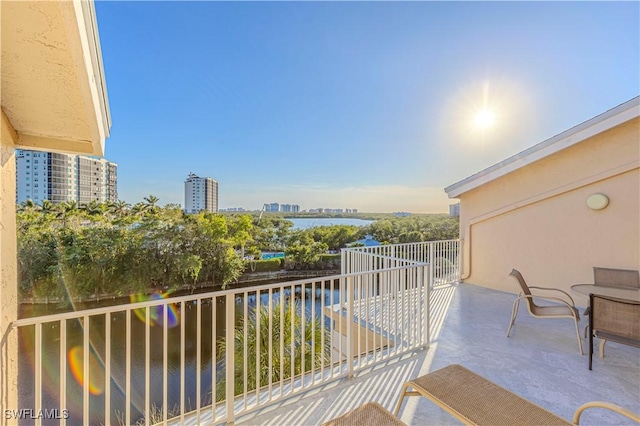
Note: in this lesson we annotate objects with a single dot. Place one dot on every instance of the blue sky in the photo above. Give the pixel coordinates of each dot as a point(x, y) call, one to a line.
point(367, 105)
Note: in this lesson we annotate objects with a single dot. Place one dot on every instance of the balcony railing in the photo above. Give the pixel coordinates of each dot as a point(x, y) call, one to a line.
point(214, 356)
point(444, 256)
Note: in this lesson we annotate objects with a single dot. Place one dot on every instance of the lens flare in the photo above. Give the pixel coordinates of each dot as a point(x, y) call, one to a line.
point(156, 313)
point(96, 376)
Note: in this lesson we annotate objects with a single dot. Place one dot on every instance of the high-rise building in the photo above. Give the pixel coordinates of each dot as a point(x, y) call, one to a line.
point(271, 207)
point(200, 194)
point(62, 177)
point(454, 210)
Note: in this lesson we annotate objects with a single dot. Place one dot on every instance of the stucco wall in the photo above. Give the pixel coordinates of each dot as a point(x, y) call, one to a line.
point(8, 266)
point(535, 219)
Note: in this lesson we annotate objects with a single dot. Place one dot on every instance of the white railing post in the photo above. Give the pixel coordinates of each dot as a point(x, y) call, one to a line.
point(343, 261)
point(432, 256)
point(349, 289)
point(427, 295)
point(229, 363)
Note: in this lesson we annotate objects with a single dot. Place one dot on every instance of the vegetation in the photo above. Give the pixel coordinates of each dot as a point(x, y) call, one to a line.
point(114, 248)
point(297, 343)
point(266, 265)
point(117, 249)
point(414, 229)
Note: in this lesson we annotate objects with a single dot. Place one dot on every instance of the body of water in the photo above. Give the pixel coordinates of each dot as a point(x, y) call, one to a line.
point(211, 320)
point(312, 222)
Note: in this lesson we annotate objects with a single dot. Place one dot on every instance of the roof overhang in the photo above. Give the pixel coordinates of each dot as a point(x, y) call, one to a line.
point(601, 123)
point(53, 87)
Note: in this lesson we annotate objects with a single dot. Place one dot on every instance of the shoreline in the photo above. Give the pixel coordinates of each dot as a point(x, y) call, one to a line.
point(245, 280)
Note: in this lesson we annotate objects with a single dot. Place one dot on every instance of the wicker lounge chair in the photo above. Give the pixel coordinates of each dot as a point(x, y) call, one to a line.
point(565, 310)
point(474, 400)
point(370, 414)
point(613, 319)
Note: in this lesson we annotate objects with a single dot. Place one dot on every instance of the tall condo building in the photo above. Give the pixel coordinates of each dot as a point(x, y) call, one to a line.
point(200, 194)
point(62, 177)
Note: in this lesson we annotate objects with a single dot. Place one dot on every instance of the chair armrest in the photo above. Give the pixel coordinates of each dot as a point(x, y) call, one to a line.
point(557, 289)
point(606, 405)
point(551, 299)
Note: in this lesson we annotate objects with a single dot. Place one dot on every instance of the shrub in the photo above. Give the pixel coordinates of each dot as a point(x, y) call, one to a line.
point(266, 265)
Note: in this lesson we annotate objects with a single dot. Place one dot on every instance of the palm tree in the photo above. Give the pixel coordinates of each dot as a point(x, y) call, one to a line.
point(119, 208)
point(47, 207)
point(151, 202)
point(285, 314)
point(28, 205)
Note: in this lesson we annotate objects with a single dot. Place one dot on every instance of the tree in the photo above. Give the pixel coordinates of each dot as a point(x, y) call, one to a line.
point(296, 341)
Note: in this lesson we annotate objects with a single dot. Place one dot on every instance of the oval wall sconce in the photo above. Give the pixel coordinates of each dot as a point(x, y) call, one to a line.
point(597, 201)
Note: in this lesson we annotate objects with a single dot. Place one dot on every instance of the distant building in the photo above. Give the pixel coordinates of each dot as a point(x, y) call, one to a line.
point(200, 194)
point(63, 177)
point(454, 210)
point(285, 208)
point(401, 214)
point(233, 209)
point(271, 207)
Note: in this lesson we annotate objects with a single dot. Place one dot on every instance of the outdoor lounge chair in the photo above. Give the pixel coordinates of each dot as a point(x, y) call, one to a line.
point(564, 310)
point(474, 400)
point(613, 319)
point(370, 414)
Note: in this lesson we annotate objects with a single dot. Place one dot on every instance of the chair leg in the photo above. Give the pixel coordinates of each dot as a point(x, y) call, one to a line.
point(578, 334)
point(586, 327)
point(590, 347)
point(602, 342)
point(514, 314)
point(400, 399)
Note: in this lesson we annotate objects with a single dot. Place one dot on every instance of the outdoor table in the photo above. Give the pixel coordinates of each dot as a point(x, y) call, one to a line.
point(626, 293)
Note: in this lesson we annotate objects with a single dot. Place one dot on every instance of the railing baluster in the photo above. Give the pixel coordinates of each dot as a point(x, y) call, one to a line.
point(293, 335)
point(38, 371)
point(127, 386)
point(364, 295)
point(271, 308)
point(85, 365)
point(229, 356)
point(245, 370)
point(313, 333)
point(147, 364)
point(350, 296)
point(63, 371)
point(107, 368)
point(323, 340)
point(198, 357)
point(302, 334)
point(281, 341)
point(258, 347)
point(214, 356)
point(165, 361)
point(182, 345)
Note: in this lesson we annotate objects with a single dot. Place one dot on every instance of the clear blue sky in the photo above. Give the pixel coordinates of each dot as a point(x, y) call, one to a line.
point(350, 105)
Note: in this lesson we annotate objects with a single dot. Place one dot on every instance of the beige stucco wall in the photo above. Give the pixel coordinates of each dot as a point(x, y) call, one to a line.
point(8, 266)
point(535, 219)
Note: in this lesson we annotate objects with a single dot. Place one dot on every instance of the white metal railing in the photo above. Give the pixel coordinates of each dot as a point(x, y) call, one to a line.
point(207, 358)
point(444, 256)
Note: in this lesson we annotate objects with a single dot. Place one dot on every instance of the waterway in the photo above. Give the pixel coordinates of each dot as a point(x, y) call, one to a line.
point(312, 222)
point(212, 329)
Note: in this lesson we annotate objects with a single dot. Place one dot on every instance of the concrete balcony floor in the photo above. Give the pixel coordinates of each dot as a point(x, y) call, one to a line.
point(540, 362)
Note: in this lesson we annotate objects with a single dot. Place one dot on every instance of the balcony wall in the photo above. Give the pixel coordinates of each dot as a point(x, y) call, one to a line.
point(535, 219)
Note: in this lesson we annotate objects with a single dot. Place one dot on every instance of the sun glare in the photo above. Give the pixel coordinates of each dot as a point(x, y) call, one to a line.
point(484, 119)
